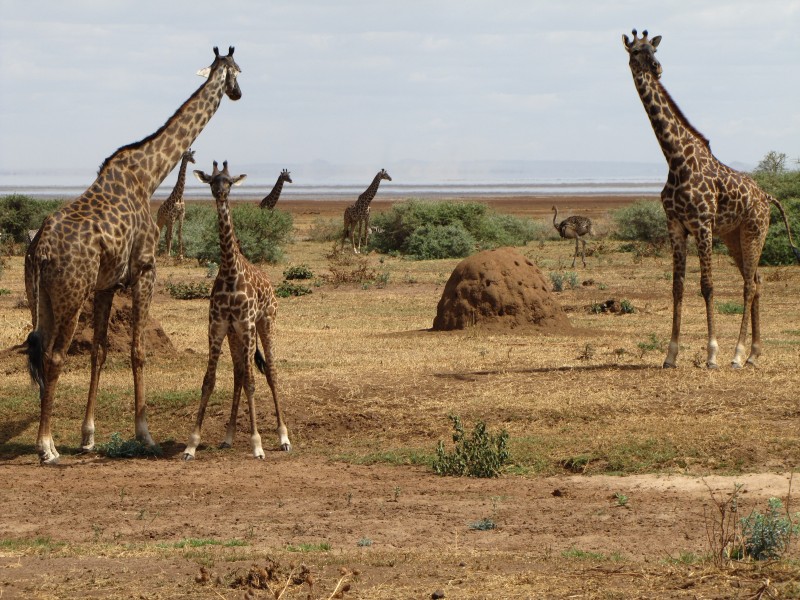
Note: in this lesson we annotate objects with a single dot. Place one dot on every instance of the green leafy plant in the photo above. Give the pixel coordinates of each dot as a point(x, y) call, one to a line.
point(481, 454)
point(288, 288)
point(626, 308)
point(483, 525)
point(643, 221)
point(116, 447)
point(188, 291)
point(766, 536)
point(730, 308)
point(298, 272)
point(20, 213)
point(652, 343)
point(559, 280)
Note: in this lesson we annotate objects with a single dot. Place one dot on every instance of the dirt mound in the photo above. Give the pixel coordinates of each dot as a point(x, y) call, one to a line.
point(500, 289)
point(157, 343)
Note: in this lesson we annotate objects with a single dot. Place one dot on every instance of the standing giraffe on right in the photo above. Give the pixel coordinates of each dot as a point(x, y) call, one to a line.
point(574, 227)
point(703, 197)
point(270, 200)
point(357, 215)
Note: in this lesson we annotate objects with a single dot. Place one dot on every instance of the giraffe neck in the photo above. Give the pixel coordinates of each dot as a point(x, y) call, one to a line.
point(271, 199)
point(365, 198)
point(229, 249)
point(177, 191)
point(146, 163)
point(674, 132)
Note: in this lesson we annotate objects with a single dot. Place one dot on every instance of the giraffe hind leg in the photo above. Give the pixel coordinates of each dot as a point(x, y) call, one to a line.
point(267, 367)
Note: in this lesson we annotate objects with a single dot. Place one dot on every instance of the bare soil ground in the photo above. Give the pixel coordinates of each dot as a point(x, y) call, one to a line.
point(617, 469)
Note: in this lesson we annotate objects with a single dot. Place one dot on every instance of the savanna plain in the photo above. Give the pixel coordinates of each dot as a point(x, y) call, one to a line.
point(621, 480)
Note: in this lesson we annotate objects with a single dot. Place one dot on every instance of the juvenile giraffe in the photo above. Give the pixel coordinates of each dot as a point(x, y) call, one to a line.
point(574, 227)
point(271, 199)
point(703, 197)
point(357, 215)
point(243, 308)
point(104, 241)
point(174, 208)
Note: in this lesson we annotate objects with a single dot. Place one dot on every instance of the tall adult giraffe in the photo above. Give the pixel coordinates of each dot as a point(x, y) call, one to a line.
point(103, 241)
point(243, 308)
point(357, 215)
point(271, 199)
point(174, 208)
point(703, 197)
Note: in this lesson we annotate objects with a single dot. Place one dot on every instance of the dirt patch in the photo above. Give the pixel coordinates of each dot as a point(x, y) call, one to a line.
point(157, 342)
point(500, 289)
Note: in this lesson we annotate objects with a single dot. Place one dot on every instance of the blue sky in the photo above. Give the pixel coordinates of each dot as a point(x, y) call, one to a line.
point(375, 83)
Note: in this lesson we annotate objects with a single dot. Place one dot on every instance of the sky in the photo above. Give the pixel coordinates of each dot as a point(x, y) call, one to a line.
point(382, 83)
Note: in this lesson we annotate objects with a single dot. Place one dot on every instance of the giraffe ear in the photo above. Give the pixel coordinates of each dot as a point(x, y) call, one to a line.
point(626, 42)
point(656, 41)
point(202, 176)
point(239, 179)
point(204, 72)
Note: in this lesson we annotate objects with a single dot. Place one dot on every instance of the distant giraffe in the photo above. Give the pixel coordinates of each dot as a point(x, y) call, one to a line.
point(703, 197)
point(357, 215)
point(104, 241)
point(174, 208)
point(574, 227)
point(271, 199)
point(243, 308)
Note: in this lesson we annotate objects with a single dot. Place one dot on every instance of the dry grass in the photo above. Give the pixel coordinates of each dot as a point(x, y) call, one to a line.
point(362, 380)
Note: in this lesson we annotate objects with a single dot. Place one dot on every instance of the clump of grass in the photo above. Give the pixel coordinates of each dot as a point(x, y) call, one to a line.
point(652, 343)
point(481, 454)
point(116, 447)
point(559, 280)
point(298, 272)
point(364, 542)
point(346, 267)
point(307, 547)
point(483, 525)
point(188, 291)
point(730, 308)
point(626, 308)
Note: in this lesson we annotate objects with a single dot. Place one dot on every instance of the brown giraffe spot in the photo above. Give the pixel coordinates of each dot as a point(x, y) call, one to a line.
point(499, 289)
point(157, 343)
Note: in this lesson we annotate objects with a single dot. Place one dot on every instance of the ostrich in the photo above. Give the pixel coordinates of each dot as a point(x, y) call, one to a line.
point(574, 227)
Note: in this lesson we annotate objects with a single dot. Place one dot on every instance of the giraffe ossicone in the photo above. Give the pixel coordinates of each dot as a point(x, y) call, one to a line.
point(705, 198)
point(103, 241)
point(243, 309)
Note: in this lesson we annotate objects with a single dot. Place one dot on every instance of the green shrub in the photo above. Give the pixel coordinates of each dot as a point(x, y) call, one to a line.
point(479, 455)
point(776, 247)
point(559, 279)
point(287, 288)
point(767, 536)
point(428, 229)
point(298, 272)
point(440, 241)
point(783, 185)
point(260, 232)
point(326, 230)
point(642, 221)
point(19, 213)
point(188, 291)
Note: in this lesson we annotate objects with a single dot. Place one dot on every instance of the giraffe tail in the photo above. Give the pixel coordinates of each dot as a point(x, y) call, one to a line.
point(261, 363)
point(35, 352)
point(794, 248)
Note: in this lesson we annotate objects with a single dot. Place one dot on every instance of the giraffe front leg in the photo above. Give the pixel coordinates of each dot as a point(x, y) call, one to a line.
point(216, 335)
point(168, 240)
point(265, 331)
point(704, 242)
point(678, 240)
point(238, 378)
point(247, 333)
point(180, 238)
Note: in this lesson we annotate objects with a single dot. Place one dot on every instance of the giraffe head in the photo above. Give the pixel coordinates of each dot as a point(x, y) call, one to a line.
point(220, 181)
point(188, 156)
point(384, 175)
point(286, 176)
point(642, 53)
point(232, 70)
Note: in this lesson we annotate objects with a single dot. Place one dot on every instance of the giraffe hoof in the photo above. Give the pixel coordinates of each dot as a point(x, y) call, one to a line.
point(224, 445)
point(711, 366)
point(750, 363)
point(187, 457)
point(669, 366)
point(52, 461)
point(286, 447)
point(735, 365)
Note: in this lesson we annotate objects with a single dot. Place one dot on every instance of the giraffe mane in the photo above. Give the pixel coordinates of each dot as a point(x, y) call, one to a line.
point(673, 106)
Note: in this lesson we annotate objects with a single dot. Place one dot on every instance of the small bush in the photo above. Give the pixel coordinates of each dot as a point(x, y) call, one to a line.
point(767, 536)
point(643, 221)
point(326, 230)
point(19, 213)
point(298, 272)
point(260, 232)
point(479, 455)
point(119, 448)
point(776, 247)
point(427, 229)
point(287, 288)
point(188, 291)
point(559, 280)
point(626, 308)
